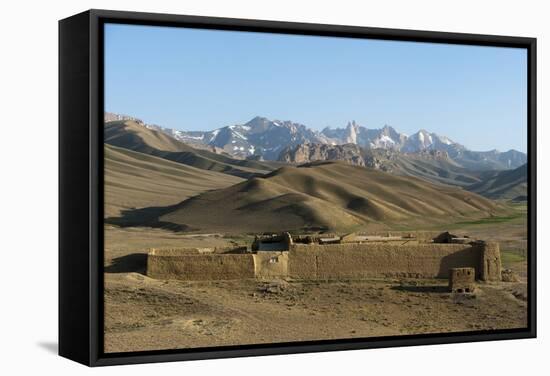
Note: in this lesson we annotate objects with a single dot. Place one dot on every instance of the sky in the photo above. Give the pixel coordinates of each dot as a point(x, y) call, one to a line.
point(192, 79)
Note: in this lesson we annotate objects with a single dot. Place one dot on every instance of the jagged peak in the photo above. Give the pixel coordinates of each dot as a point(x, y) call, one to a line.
point(258, 118)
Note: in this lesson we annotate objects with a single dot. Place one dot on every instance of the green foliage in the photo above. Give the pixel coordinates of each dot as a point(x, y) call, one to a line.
point(491, 220)
point(510, 257)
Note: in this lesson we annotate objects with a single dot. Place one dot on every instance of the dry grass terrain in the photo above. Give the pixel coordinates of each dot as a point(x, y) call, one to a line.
point(136, 180)
point(327, 196)
point(508, 184)
point(147, 314)
point(162, 193)
point(434, 169)
point(132, 136)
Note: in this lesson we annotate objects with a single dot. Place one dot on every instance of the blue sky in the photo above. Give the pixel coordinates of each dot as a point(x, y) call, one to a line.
point(204, 79)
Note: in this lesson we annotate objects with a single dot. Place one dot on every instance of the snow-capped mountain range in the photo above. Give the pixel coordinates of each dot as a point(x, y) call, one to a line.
point(261, 138)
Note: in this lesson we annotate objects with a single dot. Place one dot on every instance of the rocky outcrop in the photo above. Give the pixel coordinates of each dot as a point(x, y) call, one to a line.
point(434, 154)
point(305, 153)
point(109, 116)
point(380, 159)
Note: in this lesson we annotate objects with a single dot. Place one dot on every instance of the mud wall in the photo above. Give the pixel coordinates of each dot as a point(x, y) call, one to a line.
point(271, 264)
point(491, 266)
point(374, 260)
point(419, 236)
point(197, 267)
point(182, 251)
point(330, 262)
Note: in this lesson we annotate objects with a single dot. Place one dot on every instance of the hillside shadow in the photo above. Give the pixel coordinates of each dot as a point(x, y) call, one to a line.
point(147, 217)
point(464, 258)
point(132, 263)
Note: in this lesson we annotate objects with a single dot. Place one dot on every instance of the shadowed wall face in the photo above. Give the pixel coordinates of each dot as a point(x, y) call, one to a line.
point(340, 261)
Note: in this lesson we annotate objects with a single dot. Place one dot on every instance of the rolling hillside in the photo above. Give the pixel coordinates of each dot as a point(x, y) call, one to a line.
point(431, 165)
point(508, 184)
point(137, 180)
point(435, 167)
point(325, 196)
point(133, 136)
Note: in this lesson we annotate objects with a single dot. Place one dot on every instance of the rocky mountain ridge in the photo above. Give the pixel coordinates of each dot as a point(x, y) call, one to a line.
point(264, 139)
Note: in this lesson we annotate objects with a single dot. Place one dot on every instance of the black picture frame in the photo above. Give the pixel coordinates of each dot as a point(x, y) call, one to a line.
point(81, 185)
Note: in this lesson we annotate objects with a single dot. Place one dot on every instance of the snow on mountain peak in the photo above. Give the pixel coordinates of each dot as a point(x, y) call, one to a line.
point(264, 138)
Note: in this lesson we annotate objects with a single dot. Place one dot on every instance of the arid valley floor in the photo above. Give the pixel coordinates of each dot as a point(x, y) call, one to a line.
point(147, 314)
point(162, 193)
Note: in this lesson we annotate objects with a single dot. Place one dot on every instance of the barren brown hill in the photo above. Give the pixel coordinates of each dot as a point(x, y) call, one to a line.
point(507, 184)
point(137, 180)
point(326, 196)
point(435, 167)
point(131, 135)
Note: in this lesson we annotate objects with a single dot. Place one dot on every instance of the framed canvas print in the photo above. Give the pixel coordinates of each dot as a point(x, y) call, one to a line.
point(235, 187)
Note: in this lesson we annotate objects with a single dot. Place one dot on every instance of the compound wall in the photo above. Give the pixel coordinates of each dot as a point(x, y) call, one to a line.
point(197, 267)
point(330, 262)
point(373, 260)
